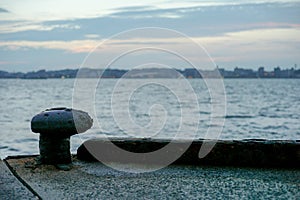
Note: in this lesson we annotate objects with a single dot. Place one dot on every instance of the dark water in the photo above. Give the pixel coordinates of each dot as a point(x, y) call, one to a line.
point(255, 108)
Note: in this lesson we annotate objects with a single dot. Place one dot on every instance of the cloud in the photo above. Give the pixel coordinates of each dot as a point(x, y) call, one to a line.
point(194, 21)
point(232, 32)
point(87, 45)
point(2, 10)
point(254, 47)
point(145, 12)
point(202, 21)
point(131, 8)
point(92, 36)
point(20, 26)
point(11, 62)
point(258, 40)
point(76, 46)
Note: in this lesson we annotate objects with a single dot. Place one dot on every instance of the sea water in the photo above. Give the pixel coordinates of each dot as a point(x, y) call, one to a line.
point(255, 109)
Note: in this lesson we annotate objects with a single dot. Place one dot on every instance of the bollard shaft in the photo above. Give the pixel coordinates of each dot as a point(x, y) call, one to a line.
point(54, 150)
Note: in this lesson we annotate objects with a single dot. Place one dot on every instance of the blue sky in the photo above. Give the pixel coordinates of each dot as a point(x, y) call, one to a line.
point(59, 34)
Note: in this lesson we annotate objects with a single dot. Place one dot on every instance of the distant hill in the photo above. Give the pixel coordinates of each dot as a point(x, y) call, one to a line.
point(154, 73)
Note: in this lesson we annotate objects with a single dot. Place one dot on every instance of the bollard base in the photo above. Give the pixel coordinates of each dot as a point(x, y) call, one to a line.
point(54, 150)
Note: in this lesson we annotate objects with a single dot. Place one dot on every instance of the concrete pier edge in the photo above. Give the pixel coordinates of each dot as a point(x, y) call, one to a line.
point(256, 153)
point(16, 174)
point(231, 163)
point(12, 185)
point(96, 181)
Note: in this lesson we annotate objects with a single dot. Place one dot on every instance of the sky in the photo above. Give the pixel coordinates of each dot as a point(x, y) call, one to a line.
point(60, 34)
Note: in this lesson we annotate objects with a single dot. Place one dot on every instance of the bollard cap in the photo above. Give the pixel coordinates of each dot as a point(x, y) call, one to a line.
point(63, 122)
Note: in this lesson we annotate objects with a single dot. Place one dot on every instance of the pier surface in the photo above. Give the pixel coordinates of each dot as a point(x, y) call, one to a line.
point(93, 180)
point(11, 187)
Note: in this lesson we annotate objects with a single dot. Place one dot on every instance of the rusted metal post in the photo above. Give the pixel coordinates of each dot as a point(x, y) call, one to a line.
point(56, 126)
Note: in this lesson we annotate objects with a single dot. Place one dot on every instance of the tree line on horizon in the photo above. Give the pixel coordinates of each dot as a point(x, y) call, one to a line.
point(155, 73)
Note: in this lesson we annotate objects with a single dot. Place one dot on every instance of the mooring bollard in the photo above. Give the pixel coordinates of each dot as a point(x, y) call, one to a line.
point(56, 126)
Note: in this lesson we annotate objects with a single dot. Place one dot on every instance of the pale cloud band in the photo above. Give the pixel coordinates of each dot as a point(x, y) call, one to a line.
point(232, 47)
point(244, 33)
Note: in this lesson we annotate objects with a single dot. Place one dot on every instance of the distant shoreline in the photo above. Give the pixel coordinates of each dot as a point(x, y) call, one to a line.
point(241, 78)
point(165, 73)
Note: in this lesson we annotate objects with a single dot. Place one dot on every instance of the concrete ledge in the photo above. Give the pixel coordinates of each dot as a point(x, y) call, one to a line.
point(242, 153)
point(93, 180)
point(11, 187)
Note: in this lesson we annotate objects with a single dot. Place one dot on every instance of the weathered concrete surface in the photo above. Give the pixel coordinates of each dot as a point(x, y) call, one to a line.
point(11, 187)
point(237, 153)
point(96, 181)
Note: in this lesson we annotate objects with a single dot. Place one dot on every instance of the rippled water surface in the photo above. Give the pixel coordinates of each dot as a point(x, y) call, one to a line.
point(255, 108)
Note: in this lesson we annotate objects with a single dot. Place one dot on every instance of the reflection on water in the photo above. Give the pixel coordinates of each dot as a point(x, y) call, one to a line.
point(267, 109)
